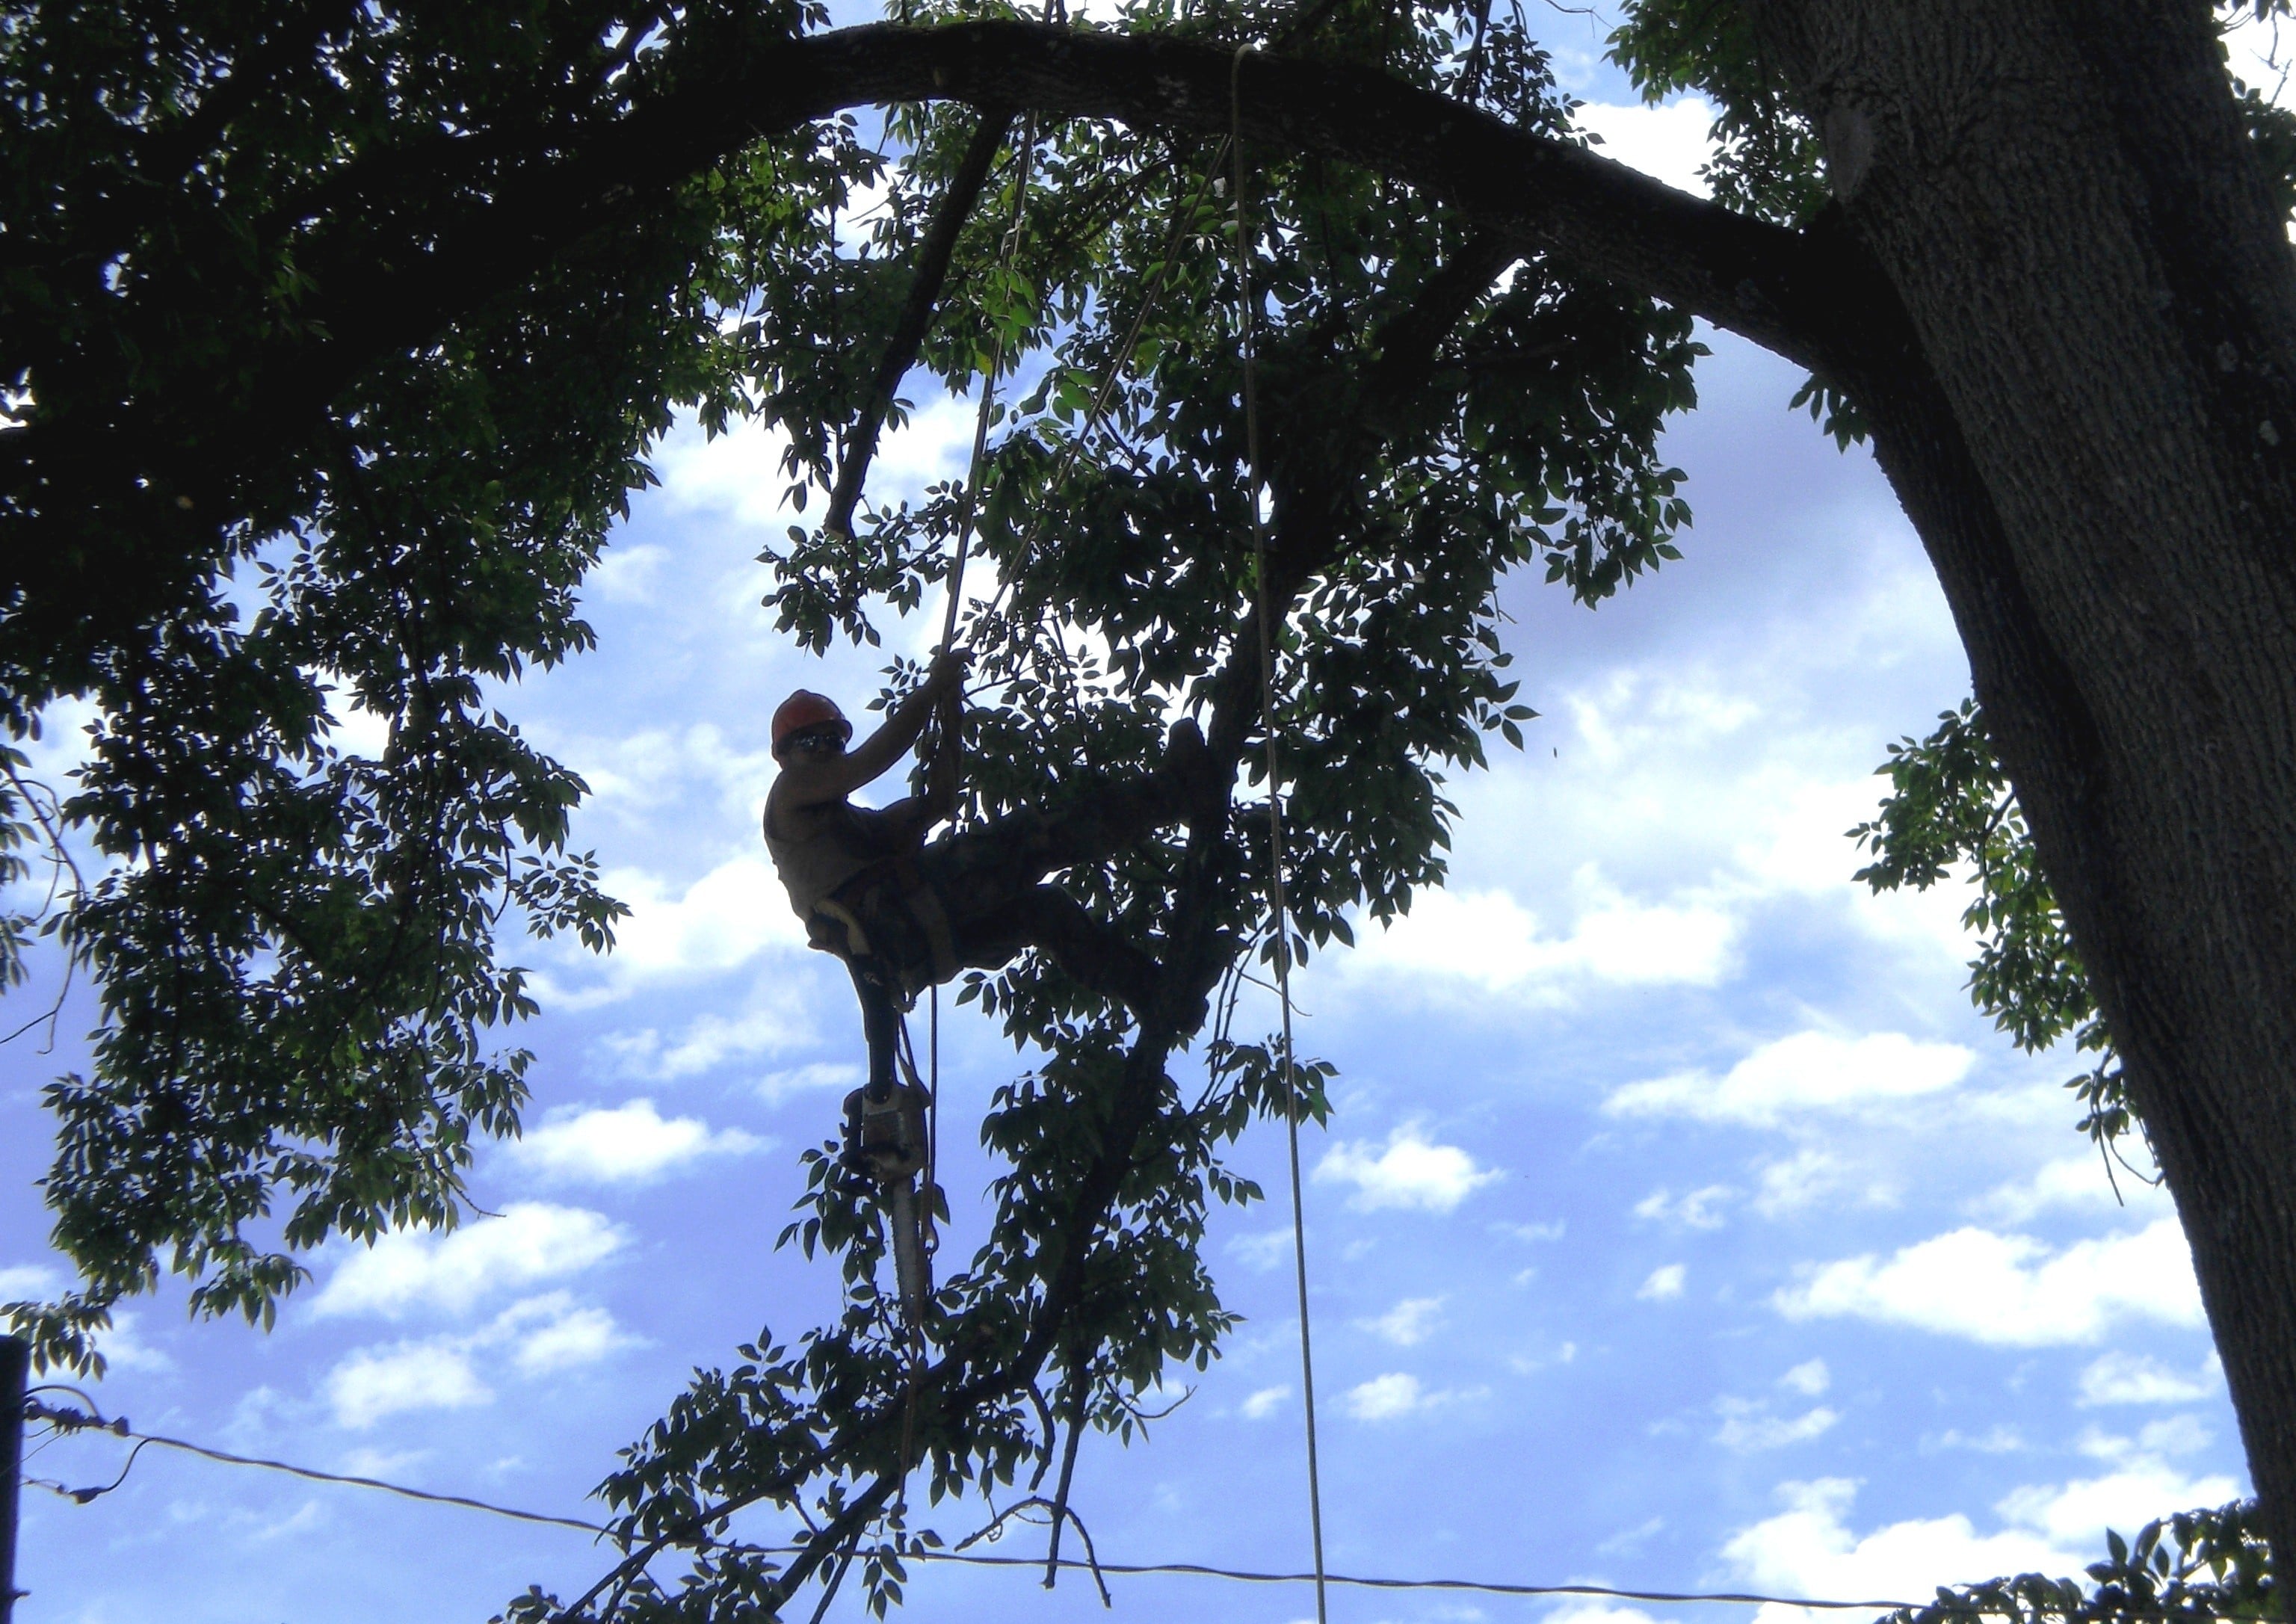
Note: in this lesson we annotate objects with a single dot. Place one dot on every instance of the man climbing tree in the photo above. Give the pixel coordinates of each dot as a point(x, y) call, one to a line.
point(839, 861)
point(903, 915)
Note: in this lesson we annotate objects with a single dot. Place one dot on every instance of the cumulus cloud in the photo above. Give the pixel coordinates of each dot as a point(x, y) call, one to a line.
point(373, 1382)
point(1748, 1426)
point(2069, 1182)
point(1809, 1549)
point(1264, 1403)
point(779, 1086)
point(2009, 1291)
point(1693, 1209)
point(1487, 939)
point(713, 1040)
point(722, 920)
point(1408, 1322)
point(550, 1333)
point(1809, 1378)
point(625, 1143)
point(625, 573)
point(1664, 1285)
point(1812, 1175)
point(22, 1281)
point(1409, 1172)
point(2077, 1514)
point(1388, 1397)
point(409, 1269)
point(1263, 1250)
point(1807, 1072)
point(1668, 142)
point(2131, 1378)
point(536, 1336)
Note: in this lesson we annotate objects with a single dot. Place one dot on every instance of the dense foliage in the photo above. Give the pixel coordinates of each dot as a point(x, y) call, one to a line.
point(293, 944)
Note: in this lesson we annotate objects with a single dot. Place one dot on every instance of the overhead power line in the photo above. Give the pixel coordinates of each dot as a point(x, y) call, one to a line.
point(70, 1420)
point(75, 1421)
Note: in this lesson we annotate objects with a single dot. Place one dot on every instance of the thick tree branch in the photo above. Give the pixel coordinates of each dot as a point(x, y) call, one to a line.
point(931, 276)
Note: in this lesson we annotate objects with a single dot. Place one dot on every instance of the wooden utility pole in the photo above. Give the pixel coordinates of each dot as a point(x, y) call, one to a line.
point(15, 1369)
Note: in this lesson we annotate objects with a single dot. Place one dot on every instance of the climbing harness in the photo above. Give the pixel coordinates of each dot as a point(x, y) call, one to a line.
point(1264, 614)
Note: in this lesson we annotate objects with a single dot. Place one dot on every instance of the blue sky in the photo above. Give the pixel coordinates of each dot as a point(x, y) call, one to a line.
point(1680, 1225)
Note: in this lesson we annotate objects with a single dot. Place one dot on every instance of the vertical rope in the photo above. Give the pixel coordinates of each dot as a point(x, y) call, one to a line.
point(1007, 253)
point(1277, 899)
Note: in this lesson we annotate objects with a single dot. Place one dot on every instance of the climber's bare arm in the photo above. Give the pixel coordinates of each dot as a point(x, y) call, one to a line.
point(817, 782)
point(915, 817)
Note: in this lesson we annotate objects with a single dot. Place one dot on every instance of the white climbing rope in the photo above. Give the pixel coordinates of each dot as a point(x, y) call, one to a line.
point(1265, 618)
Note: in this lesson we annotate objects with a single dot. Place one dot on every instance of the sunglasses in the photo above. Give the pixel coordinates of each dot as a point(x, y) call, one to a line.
point(808, 742)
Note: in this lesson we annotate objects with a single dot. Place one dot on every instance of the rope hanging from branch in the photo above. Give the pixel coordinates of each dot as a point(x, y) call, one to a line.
point(1264, 616)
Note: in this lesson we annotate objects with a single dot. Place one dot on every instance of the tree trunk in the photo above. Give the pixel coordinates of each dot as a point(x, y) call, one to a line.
point(2091, 427)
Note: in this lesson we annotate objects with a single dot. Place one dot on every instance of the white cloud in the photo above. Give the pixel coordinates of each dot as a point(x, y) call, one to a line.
point(531, 1242)
point(737, 474)
point(371, 1383)
point(391, 1464)
point(550, 1333)
point(1386, 1398)
point(1748, 1427)
point(2129, 1378)
point(2073, 1182)
point(709, 1041)
point(625, 1143)
point(1590, 1611)
point(1811, 1175)
point(1665, 1284)
point(1995, 1441)
point(1263, 1250)
point(24, 1281)
point(539, 1335)
point(1696, 1209)
point(1264, 1403)
point(2078, 1513)
point(1530, 1232)
point(1408, 1322)
point(2175, 1435)
point(1487, 939)
point(625, 573)
point(778, 1086)
point(123, 1350)
point(723, 920)
point(2009, 1291)
point(1809, 1378)
point(1409, 1172)
point(1807, 1549)
point(1668, 142)
point(1808, 1072)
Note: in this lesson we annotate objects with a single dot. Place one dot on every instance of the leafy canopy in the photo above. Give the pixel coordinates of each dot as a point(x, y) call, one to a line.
point(296, 946)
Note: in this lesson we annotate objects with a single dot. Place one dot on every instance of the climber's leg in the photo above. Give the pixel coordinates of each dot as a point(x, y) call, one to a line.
point(881, 1023)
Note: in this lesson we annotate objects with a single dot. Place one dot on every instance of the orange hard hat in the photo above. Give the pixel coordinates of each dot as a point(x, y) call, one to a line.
point(804, 709)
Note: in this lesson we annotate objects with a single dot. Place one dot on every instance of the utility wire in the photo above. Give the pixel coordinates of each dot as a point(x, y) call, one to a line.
point(75, 1421)
point(68, 1419)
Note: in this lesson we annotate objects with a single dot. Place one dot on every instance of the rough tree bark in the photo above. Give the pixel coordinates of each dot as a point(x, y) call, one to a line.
point(2093, 441)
